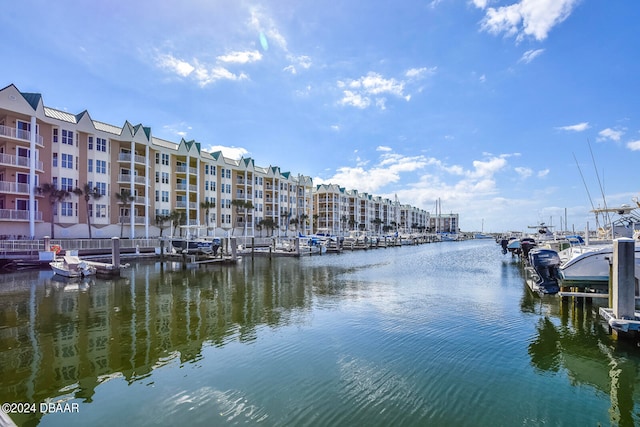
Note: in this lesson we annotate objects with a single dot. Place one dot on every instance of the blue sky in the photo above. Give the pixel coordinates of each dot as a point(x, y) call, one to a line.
point(487, 105)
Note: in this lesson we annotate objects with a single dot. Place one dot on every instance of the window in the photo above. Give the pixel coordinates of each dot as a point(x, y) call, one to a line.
point(157, 195)
point(101, 145)
point(229, 188)
point(67, 137)
point(102, 188)
point(90, 143)
point(101, 211)
point(157, 158)
point(67, 161)
point(66, 208)
point(55, 160)
point(90, 165)
point(55, 135)
point(206, 169)
point(229, 175)
point(90, 213)
point(165, 159)
point(165, 177)
point(165, 196)
point(101, 166)
point(157, 176)
point(66, 184)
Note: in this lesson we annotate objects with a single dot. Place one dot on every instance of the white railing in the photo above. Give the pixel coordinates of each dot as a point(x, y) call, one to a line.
point(126, 157)
point(136, 219)
point(9, 244)
point(11, 160)
point(140, 199)
point(24, 135)
point(127, 178)
point(14, 188)
point(18, 215)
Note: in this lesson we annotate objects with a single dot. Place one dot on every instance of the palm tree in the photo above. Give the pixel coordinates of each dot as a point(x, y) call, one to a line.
point(241, 204)
point(207, 206)
point(88, 193)
point(176, 218)
point(124, 198)
point(269, 224)
point(376, 223)
point(303, 221)
point(55, 196)
point(161, 222)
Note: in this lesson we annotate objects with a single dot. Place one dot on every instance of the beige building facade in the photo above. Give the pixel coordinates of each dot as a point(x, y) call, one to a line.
point(142, 185)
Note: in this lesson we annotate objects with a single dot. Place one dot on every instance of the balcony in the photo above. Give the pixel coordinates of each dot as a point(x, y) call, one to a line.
point(126, 157)
point(136, 179)
point(17, 215)
point(136, 219)
point(183, 204)
point(22, 135)
point(182, 186)
point(183, 169)
point(19, 161)
point(14, 188)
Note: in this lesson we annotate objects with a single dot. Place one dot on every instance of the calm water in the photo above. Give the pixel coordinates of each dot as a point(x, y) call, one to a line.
point(440, 335)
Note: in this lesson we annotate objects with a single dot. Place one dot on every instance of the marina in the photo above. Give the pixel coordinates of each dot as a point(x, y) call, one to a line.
point(436, 334)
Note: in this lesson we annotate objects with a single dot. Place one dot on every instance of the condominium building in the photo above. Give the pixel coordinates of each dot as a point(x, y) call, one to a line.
point(339, 210)
point(70, 176)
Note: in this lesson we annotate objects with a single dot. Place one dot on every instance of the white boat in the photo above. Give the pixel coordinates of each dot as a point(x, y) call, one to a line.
point(72, 266)
point(590, 262)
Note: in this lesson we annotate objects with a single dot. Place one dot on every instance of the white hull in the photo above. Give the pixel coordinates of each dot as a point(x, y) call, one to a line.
point(589, 263)
point(71, 266)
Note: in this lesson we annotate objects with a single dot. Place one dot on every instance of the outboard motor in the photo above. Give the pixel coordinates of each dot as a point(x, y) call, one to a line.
point(545, 262)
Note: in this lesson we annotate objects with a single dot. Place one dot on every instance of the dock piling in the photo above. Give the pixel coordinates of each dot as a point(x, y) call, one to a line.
point(623, 279)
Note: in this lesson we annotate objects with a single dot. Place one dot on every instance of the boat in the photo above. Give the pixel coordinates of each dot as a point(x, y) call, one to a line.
point(589, 261)
point(198, 245)
point(541, 272)
point(72, 266)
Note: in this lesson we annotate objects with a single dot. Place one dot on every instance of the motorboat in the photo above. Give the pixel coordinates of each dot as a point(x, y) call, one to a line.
point(198, 245)
point(590, 263)
point(72, 266)
point(542, 271)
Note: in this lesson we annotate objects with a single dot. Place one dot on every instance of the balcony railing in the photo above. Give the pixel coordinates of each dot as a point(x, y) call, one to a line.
point(14, 188)
point(183, 187)
point(126, 157)
point(183, 169)
point(136, 179)
point(11, 160)
point(183, 204)
point(127, 219)
point(17, 215)
point(20, 134)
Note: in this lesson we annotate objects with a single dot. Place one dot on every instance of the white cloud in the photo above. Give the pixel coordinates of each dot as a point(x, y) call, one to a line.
point(530, 55)
point(575, 128)
point(383, 148)
point(417, 73)
point(526, 18)
point(371, 90)
point(205, 76)
point(523, 172)
point(355, 100)
point(202, 74)
point(634, 145)
point(228, 152)
point(611, 134)
point(543, 173)
point(178, 66)
point(241, 57)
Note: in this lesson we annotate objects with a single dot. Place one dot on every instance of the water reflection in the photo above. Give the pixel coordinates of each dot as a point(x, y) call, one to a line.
point(572, 339)
point(63, 338)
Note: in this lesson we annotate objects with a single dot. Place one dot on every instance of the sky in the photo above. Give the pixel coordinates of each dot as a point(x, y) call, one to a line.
point(509, 113)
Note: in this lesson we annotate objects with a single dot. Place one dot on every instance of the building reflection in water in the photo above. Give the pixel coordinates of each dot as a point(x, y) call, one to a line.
point(571, 338)
point(62, 338)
